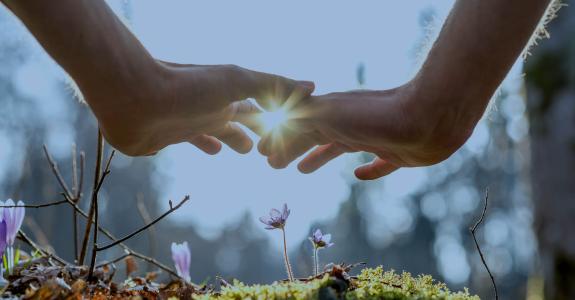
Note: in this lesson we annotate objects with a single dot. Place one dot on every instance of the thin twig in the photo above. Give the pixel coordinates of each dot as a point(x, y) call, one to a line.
point(74, 170)
point(77, 200)
point(169, 211)
point(472, 230)
point(76, 192)
point(143, 257)
point(147, 218)
point(109, 235)
point(115, 260)
point(96, 214)
point(72, 201)
point(75, 189)
point(97, 171)
point(37, 232)
point(23, 237)
point(81, 182)
point(56, 172)
point(156, 263)
point(36, 205)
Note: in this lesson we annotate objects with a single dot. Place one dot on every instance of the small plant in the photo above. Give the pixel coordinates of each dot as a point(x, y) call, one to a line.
point(277, 220)
point(181, 256)
point(319, 241)
point(12, 215)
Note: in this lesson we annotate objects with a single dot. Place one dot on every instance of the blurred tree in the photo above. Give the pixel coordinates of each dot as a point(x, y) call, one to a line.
point(550, 79)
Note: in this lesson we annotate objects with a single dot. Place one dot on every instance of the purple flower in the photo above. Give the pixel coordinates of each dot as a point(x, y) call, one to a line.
point(320, 240)
point(3, 243)
point(13, 216)
point(181, 256)
point(276, 219)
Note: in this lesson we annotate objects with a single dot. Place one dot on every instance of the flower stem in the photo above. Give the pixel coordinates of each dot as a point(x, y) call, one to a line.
point(10, 260)
point(315, 261)
point(286, 258)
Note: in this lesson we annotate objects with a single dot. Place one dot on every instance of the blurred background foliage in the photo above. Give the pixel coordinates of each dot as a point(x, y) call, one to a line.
point(524, 151)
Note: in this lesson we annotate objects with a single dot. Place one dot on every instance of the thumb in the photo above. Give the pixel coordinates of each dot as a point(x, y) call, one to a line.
point(272, 91)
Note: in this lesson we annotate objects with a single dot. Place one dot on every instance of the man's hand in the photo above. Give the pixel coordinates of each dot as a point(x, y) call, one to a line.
point(143, 104)
point(387, 123)
point(190, 103)
point(426, 120)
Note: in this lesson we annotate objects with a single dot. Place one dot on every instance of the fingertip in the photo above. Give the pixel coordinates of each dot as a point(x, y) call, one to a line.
point(276, 162)
point(263, 147)
point(152, 153)
point(207, 144)
point(214, 149)
point(309, 86)
point(303, 168)
point(374, 170)
point(362, 174)
point(246, 147)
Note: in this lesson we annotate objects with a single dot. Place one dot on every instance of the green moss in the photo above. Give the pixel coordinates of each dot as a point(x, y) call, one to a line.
point(377, 284)
point(370, 284)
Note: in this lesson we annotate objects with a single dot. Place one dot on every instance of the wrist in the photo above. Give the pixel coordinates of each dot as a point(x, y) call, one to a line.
point(129, 114)
point(445, 119)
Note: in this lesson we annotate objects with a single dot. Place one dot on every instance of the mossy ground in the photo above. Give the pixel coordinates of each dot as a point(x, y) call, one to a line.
point(41, 280)
point(370, 284)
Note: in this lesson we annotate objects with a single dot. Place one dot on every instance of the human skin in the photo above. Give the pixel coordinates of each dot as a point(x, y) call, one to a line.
point(143, 104)
point(427, 119)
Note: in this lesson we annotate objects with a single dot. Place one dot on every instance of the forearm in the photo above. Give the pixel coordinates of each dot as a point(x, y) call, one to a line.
point(478, 44)
point(87, 39)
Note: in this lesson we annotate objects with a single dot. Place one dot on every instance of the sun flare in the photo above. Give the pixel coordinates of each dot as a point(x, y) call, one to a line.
point(271, 120)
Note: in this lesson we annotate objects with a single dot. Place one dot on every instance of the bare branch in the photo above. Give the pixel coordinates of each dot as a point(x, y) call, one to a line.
point(156, 263)
point(77, 200)
point(56, 172)
point(109, 235)
point(36, 205)
point(81, 182)
point(96, 214)
point(472, 230)
point(23, 237)
point(147, 218)
point(74, 170)
point(75, 189)
point(172, 209)
point(37, 232)
point(115, 260)
point(97, 171)
point(76, 193)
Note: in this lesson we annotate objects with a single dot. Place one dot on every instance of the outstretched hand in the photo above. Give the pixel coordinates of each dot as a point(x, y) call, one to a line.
point(389, 124)
point(191, 103)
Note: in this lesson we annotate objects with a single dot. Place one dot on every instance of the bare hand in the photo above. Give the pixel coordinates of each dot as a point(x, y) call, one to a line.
point(190, 103)
point(389, 124)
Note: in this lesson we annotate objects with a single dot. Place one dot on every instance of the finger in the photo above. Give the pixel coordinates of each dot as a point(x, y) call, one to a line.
point(153, 153)
point(272, 91)
point(265, 143)
point(302, 90)
point(282, 158)
point(284, 93)
point(233, 136)
point(320, 156)
point(206, 143)
point(247, 113)
point(375, 169)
